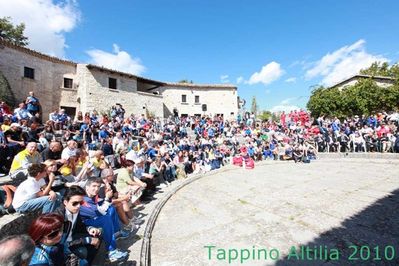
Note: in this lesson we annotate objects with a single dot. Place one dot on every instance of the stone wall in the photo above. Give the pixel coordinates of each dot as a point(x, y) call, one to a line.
point(95, 95)
point(90, 89)
point(48, 76)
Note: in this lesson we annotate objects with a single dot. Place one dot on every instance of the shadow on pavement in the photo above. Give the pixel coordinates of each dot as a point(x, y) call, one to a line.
point(370, 237)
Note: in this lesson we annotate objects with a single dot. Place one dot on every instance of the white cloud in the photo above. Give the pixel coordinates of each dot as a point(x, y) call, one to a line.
point(285, 105)
point(291, 80)
point(240, 80)
point(286, 108)
point(45, 22)
point(343, 63)
point(267, 74)
point(118, 60)
point(224, 79)
point(287, 101)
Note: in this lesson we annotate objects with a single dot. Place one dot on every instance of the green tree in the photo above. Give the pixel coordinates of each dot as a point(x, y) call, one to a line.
point(6, 93)
point(254, 106)
point(186, 81)
point(382, 69)
point(365, 97)
point(265, 115)
point(11, 33)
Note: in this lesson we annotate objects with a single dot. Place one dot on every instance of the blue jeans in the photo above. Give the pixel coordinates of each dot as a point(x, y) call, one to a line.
point(41, 203)
point(170, 173)
point(109, 224)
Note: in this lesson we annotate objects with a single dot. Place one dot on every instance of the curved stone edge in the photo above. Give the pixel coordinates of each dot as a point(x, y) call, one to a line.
point(145, 255)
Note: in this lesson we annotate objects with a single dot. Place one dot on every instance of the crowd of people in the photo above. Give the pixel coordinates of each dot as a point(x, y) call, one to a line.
point(88, 173)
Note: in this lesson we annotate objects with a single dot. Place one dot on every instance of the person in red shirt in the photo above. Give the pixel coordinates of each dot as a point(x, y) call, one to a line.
point(282, 119)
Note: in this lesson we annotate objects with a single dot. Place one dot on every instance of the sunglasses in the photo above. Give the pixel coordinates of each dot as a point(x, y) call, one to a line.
point(76, 203)
point(54, 234)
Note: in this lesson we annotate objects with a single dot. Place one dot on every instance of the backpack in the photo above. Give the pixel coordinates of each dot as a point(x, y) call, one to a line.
point(6, 198)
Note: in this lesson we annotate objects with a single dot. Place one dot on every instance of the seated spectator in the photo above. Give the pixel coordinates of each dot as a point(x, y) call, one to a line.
point(21, 113)
point(23, 160)
point(4, 165)
point(68, 169)
point(81, 242)
point(14, 135)
point(51, 170)
point(6, 125)
point(359, 142)
point(5, 112)
point(62, 119)
point(43, 142)
point(33, 193)
point(298, 153)
point(53, 152)
point(98, 163)
point(100, 213)
point(82, 159)
point(155, 174)
point(127, 184)
point(32, 132)
point(46, 232)
point(16, 250)
point(170, 169)
point(69, 150)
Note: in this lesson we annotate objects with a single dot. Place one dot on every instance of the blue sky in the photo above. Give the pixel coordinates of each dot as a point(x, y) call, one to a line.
point(274, 50)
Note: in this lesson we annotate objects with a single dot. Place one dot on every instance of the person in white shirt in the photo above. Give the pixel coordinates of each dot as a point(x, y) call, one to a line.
point(33, 194)
point(69, 150)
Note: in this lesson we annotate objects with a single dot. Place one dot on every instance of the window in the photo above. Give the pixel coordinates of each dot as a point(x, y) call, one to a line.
point(184, 98)
point(197, 99)
point(29, 73)
point(112, 83)
point(68, 83)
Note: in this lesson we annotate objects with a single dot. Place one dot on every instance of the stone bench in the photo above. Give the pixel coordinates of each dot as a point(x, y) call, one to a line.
point(16, 223)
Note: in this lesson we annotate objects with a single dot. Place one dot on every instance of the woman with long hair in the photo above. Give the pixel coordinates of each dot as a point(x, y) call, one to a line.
point(46, 232)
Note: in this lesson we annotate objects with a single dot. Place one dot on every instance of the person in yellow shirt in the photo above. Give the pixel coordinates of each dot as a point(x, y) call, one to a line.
point(6, 125)
point(98, 163)
point(24, 159)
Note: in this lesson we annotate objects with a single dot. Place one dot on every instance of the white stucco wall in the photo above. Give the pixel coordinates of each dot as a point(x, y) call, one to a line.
point(219, 100)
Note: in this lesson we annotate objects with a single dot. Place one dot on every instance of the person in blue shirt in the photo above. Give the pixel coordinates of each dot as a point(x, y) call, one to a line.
point(211, 132)
point(151, 152)
point(103, 133)
point(32, 103)
point(100, 213)
point(21, 113)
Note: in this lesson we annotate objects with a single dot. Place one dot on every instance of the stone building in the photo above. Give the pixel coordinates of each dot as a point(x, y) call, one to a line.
point(382, 82)
point(194, 99)
point(76, 87)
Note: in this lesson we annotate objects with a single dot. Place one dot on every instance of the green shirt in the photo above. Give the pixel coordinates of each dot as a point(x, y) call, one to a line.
point(122, 179)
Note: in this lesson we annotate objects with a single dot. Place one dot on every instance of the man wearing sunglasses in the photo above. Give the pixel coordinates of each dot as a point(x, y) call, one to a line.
point(81, 242)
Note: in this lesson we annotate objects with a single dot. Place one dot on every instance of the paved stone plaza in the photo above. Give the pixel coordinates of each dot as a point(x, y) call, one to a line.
point(328, 206)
